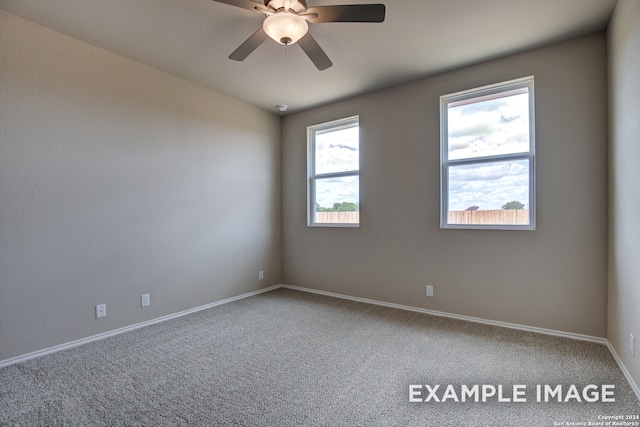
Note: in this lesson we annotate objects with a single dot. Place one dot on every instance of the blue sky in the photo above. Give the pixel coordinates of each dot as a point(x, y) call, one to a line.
point(337, 151)
point(489, 128)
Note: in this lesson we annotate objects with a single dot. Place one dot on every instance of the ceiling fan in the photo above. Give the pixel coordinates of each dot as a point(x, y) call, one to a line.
point(287, 21)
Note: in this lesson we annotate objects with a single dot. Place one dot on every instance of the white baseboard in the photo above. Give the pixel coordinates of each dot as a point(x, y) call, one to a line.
point(544, 331)
point(581, 337)
point(624, 370)
point(65, 346)
point(457, 316)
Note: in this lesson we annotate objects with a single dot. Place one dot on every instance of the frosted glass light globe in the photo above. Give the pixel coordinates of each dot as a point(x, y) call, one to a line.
point(285, 27)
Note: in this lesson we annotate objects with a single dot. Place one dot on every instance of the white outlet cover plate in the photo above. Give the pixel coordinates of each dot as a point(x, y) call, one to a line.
point(101, 310)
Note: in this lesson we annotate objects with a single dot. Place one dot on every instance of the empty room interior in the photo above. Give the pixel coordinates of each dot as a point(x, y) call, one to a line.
point(148, 180)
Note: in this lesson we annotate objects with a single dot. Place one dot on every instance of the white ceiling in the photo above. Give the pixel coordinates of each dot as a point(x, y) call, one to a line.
point(193, 39)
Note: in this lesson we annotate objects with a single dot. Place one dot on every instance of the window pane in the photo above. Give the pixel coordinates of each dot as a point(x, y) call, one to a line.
point(488, 127)
point(337, 200)
point(489, 193)
point(337, 150)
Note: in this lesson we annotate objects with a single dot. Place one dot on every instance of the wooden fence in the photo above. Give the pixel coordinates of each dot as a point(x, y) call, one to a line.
point(337, 217)
point(502, 217)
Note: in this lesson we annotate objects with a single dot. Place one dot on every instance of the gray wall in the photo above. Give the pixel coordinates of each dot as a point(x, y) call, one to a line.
point(624, 188)
point(116, 180)
point(554, 277)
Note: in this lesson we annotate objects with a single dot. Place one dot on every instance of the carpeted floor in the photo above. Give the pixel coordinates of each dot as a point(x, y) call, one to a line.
point(289, 358)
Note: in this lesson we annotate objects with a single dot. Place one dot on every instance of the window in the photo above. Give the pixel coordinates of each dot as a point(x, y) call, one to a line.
point(487, 157)
point(334, 173)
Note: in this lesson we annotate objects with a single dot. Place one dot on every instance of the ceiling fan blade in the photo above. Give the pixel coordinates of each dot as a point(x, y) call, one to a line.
point(249, 45)
point(245, 4)
point(315, 52)
point(346, 13)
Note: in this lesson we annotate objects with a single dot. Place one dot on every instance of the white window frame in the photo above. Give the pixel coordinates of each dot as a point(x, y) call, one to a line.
point(474, 95)
point(313, 177)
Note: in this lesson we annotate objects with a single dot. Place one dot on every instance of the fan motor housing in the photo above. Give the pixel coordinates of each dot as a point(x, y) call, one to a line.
point(298, 6)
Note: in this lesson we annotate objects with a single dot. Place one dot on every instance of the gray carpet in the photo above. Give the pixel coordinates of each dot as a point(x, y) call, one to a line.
point(289, 358)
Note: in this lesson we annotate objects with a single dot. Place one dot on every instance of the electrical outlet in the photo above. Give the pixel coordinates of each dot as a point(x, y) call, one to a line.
point(260, 275)
point(101, 310)
point(632, 345)
point(145, 300)
point(430, 291)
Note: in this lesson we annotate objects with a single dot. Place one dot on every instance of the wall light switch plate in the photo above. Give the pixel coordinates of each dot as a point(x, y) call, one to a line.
point(632, 345)
point(430, 291)
point(260, 275)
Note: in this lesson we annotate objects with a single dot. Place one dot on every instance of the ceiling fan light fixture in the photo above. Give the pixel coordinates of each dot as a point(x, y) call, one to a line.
point(285, 27)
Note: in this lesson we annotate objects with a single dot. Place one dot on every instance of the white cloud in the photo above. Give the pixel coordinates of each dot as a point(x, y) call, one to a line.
point(488, 185)
point(482, 129)
point(487, 128)
point(337, 151)
point(337, 190)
